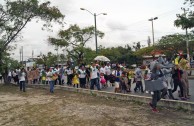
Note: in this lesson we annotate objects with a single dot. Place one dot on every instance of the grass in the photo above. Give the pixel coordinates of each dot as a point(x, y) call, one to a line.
point(39, 107)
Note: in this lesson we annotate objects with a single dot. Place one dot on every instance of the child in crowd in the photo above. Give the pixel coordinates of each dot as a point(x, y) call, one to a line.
point(43, 77)
point(124, 82)
point(117, 74)
point(102, 80)
point(130, 76)
point(75, 79)
point(112, 80)
point(138, 77)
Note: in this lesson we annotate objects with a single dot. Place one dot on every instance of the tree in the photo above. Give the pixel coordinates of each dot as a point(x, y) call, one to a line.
point(74, 39)
point(144, 51)
point(15, 15)
point(119, 54)
point(186, 20)
point(48, 60)
point(137, 46)
point(171, 44)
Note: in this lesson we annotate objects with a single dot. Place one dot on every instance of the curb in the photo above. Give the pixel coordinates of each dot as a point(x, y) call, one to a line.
point(184, 105)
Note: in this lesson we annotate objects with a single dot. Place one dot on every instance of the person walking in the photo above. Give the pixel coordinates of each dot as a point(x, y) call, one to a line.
point(94, 77)
point(156, 75)
point(50, 76)
point(177, 76)
point(117, 74)
point(82, 77)
point(69, 73)
point(75, 79)
point(138, 78)
point(107, 74)
point(22, 80)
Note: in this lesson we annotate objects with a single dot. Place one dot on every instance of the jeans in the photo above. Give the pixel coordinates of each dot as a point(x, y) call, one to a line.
point(9, 79)
point(82, 82)
point(22, 86)
point(69, 79)
point(51, 83)
point(155, 98)
point(176, 84)
point(94, 82)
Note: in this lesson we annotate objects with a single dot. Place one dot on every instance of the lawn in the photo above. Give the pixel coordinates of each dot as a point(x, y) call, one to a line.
point(39, 107)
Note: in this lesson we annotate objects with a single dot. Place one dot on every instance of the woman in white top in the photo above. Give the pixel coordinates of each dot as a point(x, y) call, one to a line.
point(51, 81)
point(22, 80)
point(82, 77)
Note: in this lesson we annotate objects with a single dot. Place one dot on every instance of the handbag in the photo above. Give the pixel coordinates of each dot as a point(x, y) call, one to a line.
point(54, 77)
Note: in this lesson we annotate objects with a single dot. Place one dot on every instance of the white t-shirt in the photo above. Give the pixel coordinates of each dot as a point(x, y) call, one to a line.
point(93, 72)
point(9, 74)
point(22, 76)
point(69, 71)
point(14, 73)
point(108, 70)
point(102, 70)
point(49, 76)
point(56, 70)
point(17, 71)
point(82, 73)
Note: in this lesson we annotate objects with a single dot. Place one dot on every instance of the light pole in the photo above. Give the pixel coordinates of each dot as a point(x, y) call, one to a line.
point(187, 37)
point(152, 20)
point(94, 14)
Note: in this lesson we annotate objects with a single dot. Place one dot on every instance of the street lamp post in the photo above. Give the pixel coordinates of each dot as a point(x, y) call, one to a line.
point(152, 20)
point(95, 30)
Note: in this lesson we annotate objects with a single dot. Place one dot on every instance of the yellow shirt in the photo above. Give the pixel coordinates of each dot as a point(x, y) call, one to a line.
point(75, 80)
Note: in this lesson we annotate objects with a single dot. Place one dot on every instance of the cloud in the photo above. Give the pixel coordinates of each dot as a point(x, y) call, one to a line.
point(116, 26)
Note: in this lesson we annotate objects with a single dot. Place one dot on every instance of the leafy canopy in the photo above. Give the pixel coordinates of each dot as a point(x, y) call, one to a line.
point(14, 16)
point(74, 40)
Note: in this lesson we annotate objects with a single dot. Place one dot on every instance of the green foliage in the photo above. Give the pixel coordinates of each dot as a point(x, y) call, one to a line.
point(49, 59)
point(14, 16)
point(76, 38)
point(119, 54)
point(171, 44)
point(145, 51)
point(8, 63)
point(186, 20)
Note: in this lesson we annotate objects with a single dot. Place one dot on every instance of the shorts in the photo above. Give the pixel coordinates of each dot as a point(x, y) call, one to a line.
point(116, 84)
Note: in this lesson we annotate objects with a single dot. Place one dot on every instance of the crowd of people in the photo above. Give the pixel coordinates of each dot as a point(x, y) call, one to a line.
point(101, 76)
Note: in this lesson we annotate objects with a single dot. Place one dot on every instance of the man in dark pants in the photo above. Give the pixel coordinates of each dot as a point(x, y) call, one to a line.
point(155, 98)
point(69, 75)
point(138, 77)
point(60, 71)
point(177, 80)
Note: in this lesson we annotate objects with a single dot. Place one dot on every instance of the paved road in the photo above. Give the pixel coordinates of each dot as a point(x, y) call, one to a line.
point(191, 83)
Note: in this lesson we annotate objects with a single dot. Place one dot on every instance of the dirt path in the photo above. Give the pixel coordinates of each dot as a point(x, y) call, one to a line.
point(38, 107)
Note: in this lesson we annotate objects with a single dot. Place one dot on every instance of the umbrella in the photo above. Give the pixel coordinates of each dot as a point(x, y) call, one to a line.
point(102, 58)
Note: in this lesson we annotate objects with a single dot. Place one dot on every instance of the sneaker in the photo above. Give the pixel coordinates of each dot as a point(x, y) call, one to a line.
point(155, 110)
point(183, 98)
point(150, 104)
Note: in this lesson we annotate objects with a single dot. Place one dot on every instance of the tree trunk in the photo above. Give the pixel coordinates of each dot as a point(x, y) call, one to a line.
point(5, 76)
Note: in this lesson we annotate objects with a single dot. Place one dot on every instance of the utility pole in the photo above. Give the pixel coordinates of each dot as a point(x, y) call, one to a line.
point(96, 33)
point(187, 37)
point(149, 41)
point(22, 54)
point(32, 53)
point(152, 20)
point(95, 30)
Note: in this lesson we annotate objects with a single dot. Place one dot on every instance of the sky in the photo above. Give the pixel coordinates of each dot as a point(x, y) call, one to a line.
point(126, 22)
